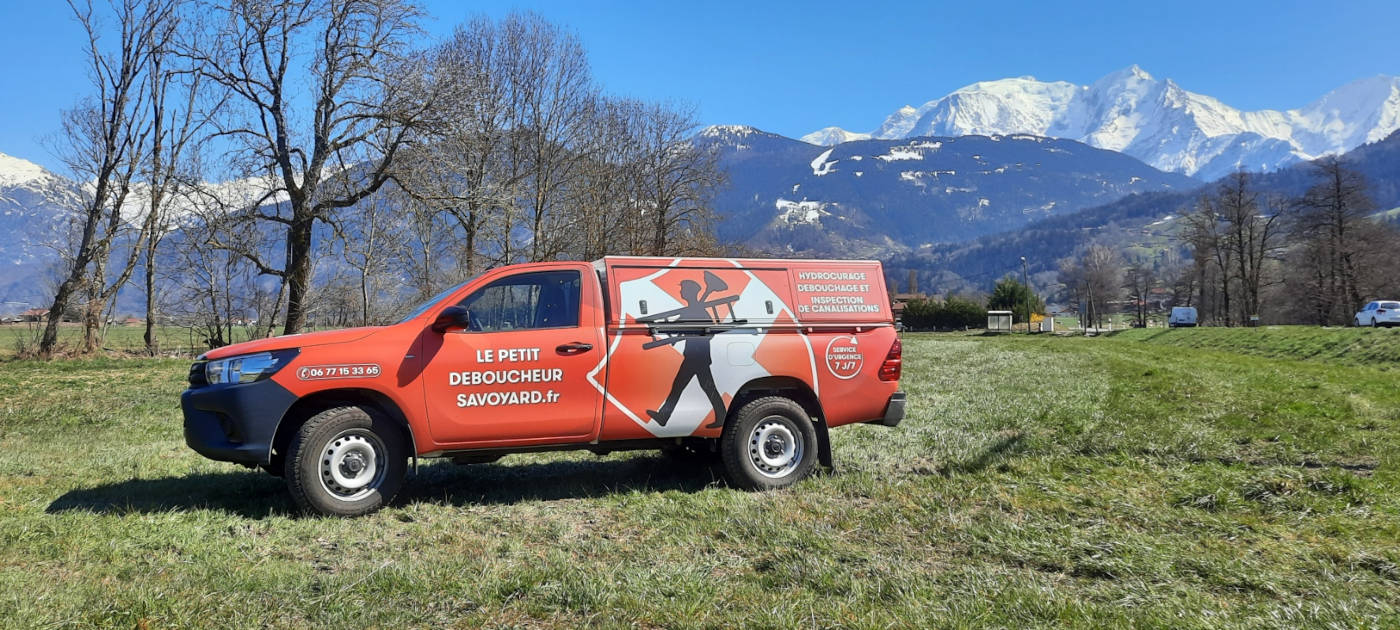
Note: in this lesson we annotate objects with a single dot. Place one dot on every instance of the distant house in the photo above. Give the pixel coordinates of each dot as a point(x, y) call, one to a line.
point(133, 321)
point(34, 314)
point(1160, 298)
point(899, 300)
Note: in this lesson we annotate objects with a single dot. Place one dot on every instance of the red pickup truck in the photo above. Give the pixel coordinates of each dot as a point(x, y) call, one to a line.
point(748, 360)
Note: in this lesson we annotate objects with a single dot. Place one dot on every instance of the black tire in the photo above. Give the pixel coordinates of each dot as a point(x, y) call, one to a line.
point(330, 470)
point(748, 455)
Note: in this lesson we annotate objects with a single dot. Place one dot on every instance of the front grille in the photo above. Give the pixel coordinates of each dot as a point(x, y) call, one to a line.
point(197, 377)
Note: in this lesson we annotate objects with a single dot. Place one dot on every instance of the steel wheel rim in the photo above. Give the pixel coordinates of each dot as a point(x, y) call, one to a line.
point(775, 447)
point(352, 464)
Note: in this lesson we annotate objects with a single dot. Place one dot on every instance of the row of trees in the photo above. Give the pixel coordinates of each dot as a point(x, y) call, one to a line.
point(1253, 256)
point(1316, 258)
point(361, 171)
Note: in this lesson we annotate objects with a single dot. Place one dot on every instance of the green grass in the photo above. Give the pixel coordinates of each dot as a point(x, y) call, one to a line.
point(1038, 482)
point(173, 341)
point(1376, 347)
point(118, 339)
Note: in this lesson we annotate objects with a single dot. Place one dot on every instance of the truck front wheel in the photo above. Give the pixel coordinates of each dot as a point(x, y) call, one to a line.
point(770, 444)
point(345, 461)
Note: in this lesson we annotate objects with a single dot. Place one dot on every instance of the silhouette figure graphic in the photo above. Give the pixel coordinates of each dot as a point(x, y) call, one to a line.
point(696, 364)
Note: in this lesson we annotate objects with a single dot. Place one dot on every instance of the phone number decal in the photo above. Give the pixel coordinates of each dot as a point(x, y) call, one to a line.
point(353, 370)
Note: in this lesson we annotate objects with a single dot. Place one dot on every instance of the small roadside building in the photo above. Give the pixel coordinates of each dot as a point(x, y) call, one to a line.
point(999, 321)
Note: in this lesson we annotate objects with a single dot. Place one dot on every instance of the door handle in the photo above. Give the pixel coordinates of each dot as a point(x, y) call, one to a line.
point(573, 347)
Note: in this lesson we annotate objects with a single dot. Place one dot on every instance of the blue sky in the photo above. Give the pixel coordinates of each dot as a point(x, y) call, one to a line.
point(793, 67)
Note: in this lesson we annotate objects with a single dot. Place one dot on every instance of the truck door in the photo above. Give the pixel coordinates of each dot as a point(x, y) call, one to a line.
point(520, 372)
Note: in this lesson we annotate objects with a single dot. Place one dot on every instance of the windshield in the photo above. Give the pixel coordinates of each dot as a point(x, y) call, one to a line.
point(1390, 304)
point(418, 310)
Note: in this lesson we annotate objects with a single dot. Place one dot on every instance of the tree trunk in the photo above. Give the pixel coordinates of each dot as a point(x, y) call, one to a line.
point(151, 299)
point(298, 278)
point(364, 298)
point(70, 285)
point(92, 319)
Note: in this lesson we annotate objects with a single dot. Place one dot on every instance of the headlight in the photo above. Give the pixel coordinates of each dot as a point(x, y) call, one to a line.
point(246, 368)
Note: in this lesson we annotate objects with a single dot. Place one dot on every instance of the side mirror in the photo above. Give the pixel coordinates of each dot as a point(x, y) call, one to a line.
point(452, 318)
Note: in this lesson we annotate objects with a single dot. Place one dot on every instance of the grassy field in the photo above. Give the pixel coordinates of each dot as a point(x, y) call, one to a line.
point(118, 339)
point(1038, 482)
point(1376, 347)
point(173, 341)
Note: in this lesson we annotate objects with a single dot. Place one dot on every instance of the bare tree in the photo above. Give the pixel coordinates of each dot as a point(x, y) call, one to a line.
point(420, 250)
point(177, 126)
point(1206, 234)
point(1251, 227)
point(552, 99)
point(106, 139)
point(1139, 280)
point(355, 127)
point(609, 205)
point(210, 291)
point(368, 252)
point(1331, 227)
point(1096, 279)
point(676, 179)
point(458, 167)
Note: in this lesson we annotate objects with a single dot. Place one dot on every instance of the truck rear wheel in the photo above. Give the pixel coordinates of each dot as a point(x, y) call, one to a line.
point(345, 461)
point(770, 444)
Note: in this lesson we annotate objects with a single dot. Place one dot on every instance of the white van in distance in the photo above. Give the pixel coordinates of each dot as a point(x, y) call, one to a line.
point(1182, 316)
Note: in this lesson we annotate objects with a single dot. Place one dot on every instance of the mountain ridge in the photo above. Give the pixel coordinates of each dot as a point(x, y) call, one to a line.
point(1143, 222)
point(873, 197)
point(1154, 120)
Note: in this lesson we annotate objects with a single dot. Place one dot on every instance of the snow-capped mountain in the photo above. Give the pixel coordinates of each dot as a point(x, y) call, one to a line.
point(874, 197)
point(34, 210)
point(1154, 120)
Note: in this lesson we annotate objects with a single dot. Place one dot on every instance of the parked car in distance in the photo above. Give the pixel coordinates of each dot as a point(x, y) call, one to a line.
point(1379, 313)
point(1182, 316)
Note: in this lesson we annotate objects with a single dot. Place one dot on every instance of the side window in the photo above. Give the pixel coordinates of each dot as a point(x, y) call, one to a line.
point(543, 299)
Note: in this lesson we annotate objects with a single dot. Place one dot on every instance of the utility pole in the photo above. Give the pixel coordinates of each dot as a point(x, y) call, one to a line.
point(1026, 280)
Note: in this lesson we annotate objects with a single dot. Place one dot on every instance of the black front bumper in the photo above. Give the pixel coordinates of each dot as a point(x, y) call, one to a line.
point(894, 411)
point(235, 423)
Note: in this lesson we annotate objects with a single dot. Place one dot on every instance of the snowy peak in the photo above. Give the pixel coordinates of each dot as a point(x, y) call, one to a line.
point(1362, 111)
point(738, 136)
point(17, 172)
point(829, 136)
point(1129, 74)
point(728, 131)
point(1154, 120)
point(898, 124)
point(1021, 105)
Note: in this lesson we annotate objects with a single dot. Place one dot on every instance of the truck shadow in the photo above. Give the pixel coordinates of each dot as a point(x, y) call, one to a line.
point(259, 495)
point(245, 493)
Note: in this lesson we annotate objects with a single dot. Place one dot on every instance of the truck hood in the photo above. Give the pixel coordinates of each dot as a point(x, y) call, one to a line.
point(293, 341)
